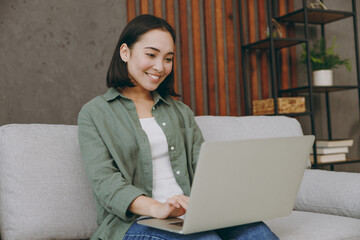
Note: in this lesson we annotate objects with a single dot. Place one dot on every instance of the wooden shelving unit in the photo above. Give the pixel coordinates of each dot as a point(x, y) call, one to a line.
point(303, 16)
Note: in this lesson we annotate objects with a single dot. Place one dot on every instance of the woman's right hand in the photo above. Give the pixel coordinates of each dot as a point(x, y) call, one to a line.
point(173, 207)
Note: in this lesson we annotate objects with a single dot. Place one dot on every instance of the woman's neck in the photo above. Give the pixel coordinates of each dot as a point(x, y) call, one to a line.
point(143, 101)
point(136, 94)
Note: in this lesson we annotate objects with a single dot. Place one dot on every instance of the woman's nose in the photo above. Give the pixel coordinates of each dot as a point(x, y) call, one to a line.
point(159, 65)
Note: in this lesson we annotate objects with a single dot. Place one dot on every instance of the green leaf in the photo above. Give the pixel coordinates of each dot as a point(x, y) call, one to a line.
point(322, 57)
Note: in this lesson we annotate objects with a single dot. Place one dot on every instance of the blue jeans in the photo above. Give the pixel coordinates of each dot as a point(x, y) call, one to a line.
point(252, 231)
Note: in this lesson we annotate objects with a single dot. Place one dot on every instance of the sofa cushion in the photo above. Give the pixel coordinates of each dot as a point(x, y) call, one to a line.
point(45, 193)
point(329, 192)
point(315, 226)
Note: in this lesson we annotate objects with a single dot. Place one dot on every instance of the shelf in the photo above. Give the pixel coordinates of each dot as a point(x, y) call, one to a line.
point(295, 114)
point(317, 89)
point(340, 162)
point(288, 114)
point(315, 16)
point(278, 43)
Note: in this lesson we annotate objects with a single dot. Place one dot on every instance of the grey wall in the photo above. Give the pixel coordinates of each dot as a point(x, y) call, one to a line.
point(55, 55)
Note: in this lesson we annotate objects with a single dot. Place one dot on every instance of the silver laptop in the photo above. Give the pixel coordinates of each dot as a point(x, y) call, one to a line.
point(240, 182)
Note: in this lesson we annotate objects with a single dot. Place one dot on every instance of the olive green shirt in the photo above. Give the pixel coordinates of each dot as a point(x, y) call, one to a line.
point(117, 156)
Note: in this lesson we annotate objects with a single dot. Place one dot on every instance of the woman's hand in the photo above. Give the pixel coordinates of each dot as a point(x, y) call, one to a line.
point(173, 207)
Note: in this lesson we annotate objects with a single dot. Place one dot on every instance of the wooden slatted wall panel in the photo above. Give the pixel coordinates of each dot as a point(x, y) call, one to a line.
point(217, 45)
point(157, 8)
point(264, 73)
point(131, 10)
point(170, 12)
point(144, 6)
point(242, 90)
point(199, 94)
point(291, 34)
point(185, 71)
point(253, 60)
point(210, 62)
point(220, 57)
point(230, 47)
point(170, 18)
point(284, 52)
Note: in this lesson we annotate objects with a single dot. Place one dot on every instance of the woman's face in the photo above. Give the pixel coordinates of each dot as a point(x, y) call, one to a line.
point(149, 61)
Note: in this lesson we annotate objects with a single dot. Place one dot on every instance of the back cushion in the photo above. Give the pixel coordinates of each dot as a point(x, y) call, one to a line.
point(44, 192)
point(237, 128)
point(216, 128)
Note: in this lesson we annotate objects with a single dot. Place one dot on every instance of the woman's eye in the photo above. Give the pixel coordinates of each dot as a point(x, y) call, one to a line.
point(168, 59)
point(150, 54)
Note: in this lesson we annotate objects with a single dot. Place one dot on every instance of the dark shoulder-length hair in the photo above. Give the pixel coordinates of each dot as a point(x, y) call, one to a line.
point(117, 75)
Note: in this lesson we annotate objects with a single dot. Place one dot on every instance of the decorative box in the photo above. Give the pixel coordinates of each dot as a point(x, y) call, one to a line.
point(285, 105)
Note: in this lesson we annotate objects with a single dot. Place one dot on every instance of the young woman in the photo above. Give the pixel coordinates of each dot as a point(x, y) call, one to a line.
point(139, 145)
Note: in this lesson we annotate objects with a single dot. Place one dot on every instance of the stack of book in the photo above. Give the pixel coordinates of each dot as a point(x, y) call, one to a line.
point(332, 150)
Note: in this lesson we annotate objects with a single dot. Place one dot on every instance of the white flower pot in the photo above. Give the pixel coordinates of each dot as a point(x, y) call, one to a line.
point(323, 78)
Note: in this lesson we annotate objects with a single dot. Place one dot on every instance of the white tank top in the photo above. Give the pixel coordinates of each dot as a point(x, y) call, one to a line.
point(164, 182)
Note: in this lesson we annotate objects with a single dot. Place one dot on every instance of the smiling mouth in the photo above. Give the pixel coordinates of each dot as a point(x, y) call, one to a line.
point(154, 77)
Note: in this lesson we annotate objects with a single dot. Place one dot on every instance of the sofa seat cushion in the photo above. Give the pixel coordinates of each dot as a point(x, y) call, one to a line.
point(306, 225)
point(45, 193)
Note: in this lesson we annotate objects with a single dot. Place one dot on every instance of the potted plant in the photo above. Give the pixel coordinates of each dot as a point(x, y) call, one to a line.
point(323, 61)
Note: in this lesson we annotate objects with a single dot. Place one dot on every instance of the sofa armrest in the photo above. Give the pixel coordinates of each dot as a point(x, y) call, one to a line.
point(336, 193)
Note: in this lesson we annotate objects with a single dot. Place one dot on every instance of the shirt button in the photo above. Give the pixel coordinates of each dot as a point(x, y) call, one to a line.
point(164, 123)
point(172, 148)
point(177, 172)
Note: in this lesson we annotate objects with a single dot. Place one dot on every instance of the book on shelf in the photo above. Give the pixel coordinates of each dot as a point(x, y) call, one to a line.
point(327, 158)
point(331, 150)
point(334, 143)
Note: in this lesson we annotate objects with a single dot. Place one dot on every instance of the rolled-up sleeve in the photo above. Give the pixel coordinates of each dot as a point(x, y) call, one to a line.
point(111, 189)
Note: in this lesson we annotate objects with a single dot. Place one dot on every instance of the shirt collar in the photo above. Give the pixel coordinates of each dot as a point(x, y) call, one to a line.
point(157, 97)
point(112, 94)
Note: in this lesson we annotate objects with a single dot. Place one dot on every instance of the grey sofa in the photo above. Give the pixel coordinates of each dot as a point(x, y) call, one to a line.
point(44, 192)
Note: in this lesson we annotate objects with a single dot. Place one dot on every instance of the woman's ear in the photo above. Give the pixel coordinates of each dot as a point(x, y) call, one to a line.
point(124, 52)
